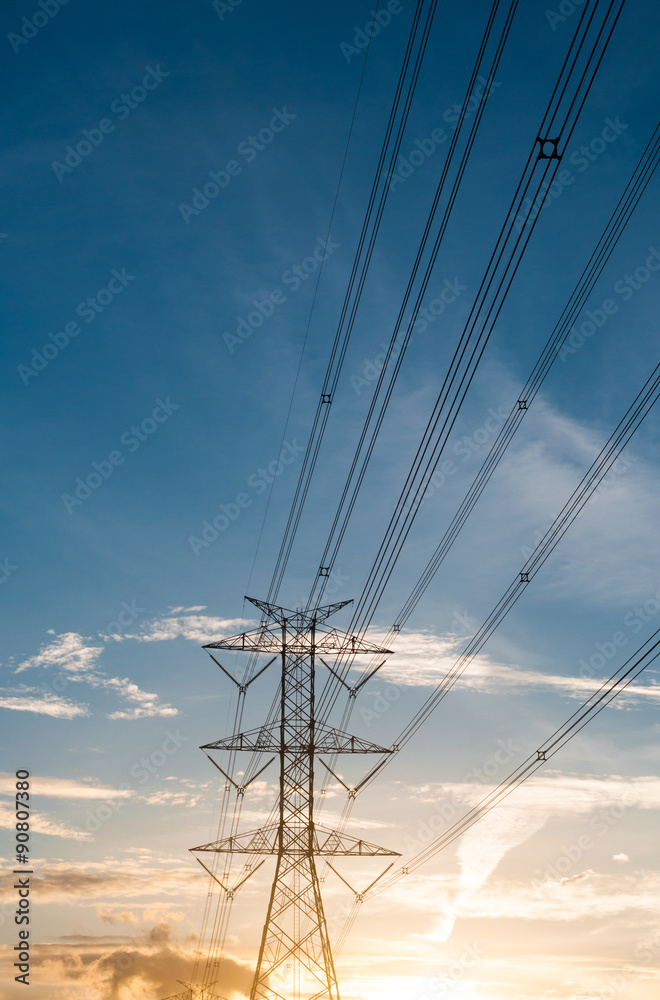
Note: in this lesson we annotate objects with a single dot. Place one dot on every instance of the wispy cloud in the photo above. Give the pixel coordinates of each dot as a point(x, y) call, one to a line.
point(187, 623)
point(587, 894)
point(150, 914)
point(135, 878)
point(69, 651)
point(481, 849)
point(555, 792)
point(611, 552)
point(422, 659)
point(109, 917)
point(146, 703)
point(31, 699)
point(40, 823)
point(168, 798)
point(64, 788)
point(78, 659)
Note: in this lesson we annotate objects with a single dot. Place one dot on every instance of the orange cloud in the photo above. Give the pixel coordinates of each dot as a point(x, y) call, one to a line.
point(145, 967)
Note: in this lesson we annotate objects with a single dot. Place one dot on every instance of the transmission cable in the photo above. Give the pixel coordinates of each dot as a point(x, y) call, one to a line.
point(433, 444)
point(609, 454)
point(407, 505)
point(591, 707)
point(636, 187)
point(617, 683)
point(342, 334)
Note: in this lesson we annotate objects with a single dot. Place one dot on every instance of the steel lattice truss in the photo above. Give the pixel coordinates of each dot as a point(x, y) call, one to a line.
point(192, 992)
point(295, 958)
point(326, 740)
point(267, 840)
point(301, 631)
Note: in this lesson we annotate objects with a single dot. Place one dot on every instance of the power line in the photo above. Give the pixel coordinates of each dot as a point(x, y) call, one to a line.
point(610, 689)
point(499, 275)
point(358, 274)
point(569, 67)
point(223, 906)
point(608, 455)
point(314, 297)
point(360, 462)
point(462, 372)
point(318, 428)
point(616, 224)
point(432, 444)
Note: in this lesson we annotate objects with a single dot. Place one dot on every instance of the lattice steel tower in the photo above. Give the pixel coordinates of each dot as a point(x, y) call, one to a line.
point(193, 992)
point(295, 959)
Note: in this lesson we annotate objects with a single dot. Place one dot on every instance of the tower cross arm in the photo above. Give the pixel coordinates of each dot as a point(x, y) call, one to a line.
point(269, 639)
point(315, 615)
point(326, 842)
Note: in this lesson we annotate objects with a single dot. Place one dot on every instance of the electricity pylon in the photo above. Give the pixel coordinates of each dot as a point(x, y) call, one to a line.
point(193, 992)
point(295, 959)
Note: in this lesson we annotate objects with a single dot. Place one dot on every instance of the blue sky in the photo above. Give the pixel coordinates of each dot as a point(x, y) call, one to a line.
point(142, 386)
